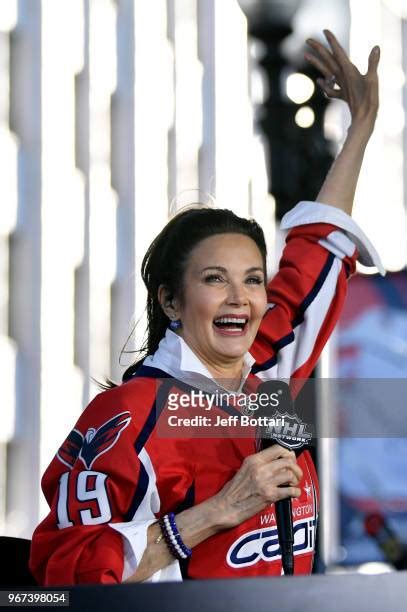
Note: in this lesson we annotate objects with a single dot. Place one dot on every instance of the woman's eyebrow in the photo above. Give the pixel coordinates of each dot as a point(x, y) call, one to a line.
point(222, 269)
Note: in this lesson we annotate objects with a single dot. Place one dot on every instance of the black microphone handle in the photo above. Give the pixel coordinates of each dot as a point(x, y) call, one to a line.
point(284, 521)
point(283, 508)
point(285, 534)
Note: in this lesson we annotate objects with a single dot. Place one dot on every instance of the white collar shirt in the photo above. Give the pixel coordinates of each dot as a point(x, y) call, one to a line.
point(176, 358)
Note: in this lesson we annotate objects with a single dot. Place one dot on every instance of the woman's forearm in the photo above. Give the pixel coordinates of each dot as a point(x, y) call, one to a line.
point(194, 525)
point(342, 80)
point(340, 184)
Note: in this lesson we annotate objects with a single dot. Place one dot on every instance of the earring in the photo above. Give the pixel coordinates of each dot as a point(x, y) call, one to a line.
point(175, 324)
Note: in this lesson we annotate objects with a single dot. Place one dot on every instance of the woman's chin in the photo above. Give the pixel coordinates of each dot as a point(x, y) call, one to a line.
point(233, 347)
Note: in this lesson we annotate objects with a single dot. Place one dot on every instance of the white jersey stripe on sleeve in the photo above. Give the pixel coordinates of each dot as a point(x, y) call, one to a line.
point(134, 532)
point(151, 502)
point(292, 356)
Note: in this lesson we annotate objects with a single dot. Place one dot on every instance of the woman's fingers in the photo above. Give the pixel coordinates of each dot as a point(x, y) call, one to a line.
point(329, 91)
point(286, 478)
point(318, 64)
point(268, 478)
point(284, 468)
point(373, 62)
point(327, 87)
point(263, 478)
point(327, 62)
point(338, 51)
point(272, 467)
point(276, 451)
point(284, 492)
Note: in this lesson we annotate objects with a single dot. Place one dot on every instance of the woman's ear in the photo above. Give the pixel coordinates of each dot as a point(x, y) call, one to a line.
point(168, 302)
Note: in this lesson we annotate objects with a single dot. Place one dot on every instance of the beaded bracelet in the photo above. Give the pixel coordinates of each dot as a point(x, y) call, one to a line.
point(173, 538)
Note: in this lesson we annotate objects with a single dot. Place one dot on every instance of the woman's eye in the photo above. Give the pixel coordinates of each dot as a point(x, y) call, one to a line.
point(213, 277)
point(252, 280)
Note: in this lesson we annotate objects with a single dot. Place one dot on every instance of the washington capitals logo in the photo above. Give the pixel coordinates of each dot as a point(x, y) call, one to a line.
point(95, 443)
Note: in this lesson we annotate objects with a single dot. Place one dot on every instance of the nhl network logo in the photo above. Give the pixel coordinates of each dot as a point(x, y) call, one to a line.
point(292, 434)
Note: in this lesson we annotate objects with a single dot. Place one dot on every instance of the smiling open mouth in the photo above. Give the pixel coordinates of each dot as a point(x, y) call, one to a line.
point(231, 324)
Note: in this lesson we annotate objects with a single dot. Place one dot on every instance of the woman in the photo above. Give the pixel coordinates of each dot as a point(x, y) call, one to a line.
point(206, 277)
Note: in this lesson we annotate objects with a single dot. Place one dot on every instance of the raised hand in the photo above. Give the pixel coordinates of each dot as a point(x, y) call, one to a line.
point(343, 79)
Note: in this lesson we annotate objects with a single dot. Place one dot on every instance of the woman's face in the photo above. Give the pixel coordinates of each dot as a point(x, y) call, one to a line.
point(224, 298)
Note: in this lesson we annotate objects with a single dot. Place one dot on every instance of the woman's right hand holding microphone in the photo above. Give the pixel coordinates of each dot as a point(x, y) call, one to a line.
point(263, 478)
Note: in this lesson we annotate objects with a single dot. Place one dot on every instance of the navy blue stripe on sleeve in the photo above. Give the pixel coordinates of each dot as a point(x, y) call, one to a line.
point(139, 494)
point(307, 301)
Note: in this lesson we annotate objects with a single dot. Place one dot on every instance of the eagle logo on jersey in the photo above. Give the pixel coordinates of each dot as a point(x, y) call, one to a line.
point(99, 441)
point(70, 449)
point(95, 442)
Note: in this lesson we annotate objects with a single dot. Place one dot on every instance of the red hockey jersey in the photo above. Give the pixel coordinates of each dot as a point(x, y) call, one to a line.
point(115, 474)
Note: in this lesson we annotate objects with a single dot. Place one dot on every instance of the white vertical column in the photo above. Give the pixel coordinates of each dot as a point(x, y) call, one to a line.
point(62, 219)
point(261, 203)
point(328, 452)
point(123, 181)
point(102, 199)
point(25, 273)
point(226, 151)
point(153, 108)
point(381, 181)
point(206, 53)
point(8, 221)
point(404, 66)
point(186, 134)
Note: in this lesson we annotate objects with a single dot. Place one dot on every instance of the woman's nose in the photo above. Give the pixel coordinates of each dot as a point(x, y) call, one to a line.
point(237, 294)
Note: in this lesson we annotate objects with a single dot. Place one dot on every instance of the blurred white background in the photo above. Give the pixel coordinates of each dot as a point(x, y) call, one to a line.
point(108, 110)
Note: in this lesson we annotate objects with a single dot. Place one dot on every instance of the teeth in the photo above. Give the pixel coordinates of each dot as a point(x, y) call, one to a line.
point(230, 320)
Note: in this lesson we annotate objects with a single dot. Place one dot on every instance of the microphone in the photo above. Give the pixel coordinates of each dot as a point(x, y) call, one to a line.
point(394, 550)
point(274, 401)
